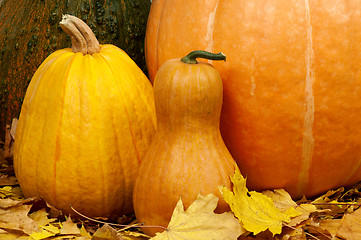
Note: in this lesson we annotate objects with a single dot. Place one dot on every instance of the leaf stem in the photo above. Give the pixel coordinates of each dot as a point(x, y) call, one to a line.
point(340, 203)
point(116, 224)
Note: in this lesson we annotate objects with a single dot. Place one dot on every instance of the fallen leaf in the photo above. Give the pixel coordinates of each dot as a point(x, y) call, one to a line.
point(7, 180)
point(16, 218)
point(4, 235)
point(84, 233)
point(106, 232)
point(41, 217)
point(69, 228)
point(14, 124)
point(331, 225)
point(329, 195)
point(293, 234)
point(9, 144)
point(350, 228)
point(199, 222)
point(43, 234)
point(316, 232)
point(64, 230)
point(305, 210)
point(11, 192)
point(129, 235)
point(5, 192)
point(52, 229)
point(256, 211)
point(281, 199)
point(9, 203)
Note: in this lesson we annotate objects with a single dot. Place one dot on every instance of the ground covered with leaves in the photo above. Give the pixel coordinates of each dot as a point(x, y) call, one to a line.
point(254, 215)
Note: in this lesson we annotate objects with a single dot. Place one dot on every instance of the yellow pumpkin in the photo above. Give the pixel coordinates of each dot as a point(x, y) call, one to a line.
point(86, 122)
point(187, 155)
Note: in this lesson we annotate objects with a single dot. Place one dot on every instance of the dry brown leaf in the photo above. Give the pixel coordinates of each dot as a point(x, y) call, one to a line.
point(316, 232)
point(305, 210)
point(106, 232)
point(9, 140)
point(41, 217)
point(350, 228)
point(293, 234)
point(14, 124)
point(16, 218)
point(129, 235)
point(331, 225)
point(4, 235)
point(69, 228)
point(282, 199)
point(9, 203)
point(6, 180)
point(329, 196)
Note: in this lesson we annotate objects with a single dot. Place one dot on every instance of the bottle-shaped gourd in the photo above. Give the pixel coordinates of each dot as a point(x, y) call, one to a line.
point(187, 156)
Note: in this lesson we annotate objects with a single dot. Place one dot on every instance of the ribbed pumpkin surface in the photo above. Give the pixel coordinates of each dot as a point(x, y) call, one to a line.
point(84, 127)
point(29, 32)
point(292, 83)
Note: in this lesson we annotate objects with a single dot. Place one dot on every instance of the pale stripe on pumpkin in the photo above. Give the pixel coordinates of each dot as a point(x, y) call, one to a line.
point(308, 140)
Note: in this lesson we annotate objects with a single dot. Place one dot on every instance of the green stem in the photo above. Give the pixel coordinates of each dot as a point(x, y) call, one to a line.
point(191, 57)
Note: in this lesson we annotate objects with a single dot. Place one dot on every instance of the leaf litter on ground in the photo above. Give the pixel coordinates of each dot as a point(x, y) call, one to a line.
point(199, 222)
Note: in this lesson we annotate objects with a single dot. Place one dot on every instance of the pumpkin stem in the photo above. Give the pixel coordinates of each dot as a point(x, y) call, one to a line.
point(191, 57)
point(82, 37)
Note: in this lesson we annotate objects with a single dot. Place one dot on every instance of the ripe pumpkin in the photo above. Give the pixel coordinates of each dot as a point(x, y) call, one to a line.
point(29, 32)
point(87, 119)
point(187, 155)
point(292, 84)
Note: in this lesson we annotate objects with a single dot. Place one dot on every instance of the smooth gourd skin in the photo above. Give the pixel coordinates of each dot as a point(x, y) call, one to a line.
point(85, 125)
point(29, 32)
point(187, 155)
point(292, 84)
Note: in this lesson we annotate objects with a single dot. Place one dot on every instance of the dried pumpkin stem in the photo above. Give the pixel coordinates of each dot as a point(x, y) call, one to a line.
point(82, 37)
point(191, 57)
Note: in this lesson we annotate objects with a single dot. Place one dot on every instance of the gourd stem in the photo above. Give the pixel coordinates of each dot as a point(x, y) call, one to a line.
point(82, 37)
point(191, 57)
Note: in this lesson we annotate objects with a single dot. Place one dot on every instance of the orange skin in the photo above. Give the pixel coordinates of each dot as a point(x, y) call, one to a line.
point(187, 156)
point(292, 84)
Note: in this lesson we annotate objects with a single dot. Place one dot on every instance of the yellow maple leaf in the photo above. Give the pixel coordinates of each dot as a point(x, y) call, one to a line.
point(42, 235)
point(256, 211)
point(199, 222)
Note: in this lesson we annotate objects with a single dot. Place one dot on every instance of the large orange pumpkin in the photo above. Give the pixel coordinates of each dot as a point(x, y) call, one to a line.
point(291, 115)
